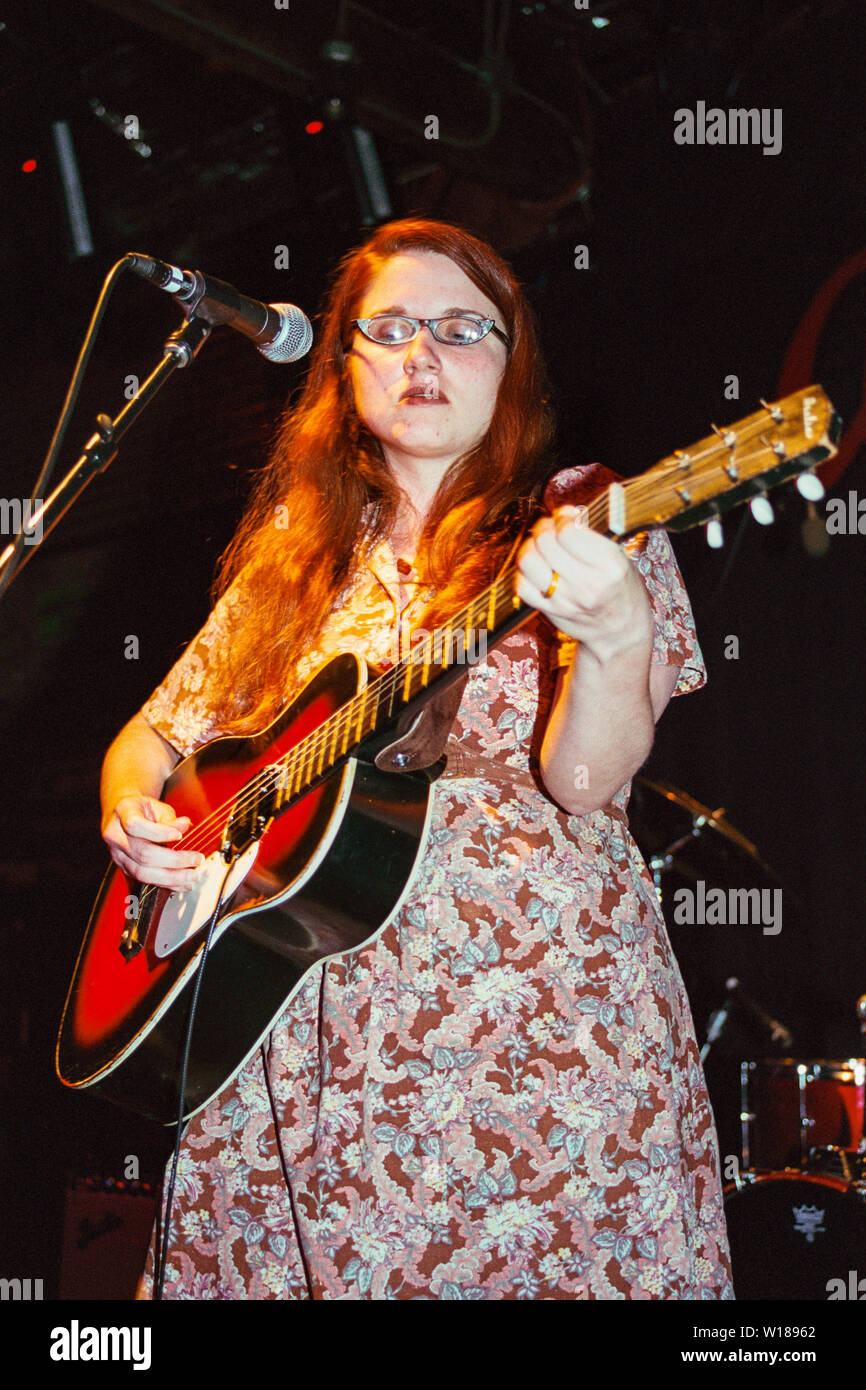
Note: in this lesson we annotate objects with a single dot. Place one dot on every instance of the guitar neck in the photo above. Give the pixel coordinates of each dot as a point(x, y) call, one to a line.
point(434, 663)
point(726, 468)
point(442, 656)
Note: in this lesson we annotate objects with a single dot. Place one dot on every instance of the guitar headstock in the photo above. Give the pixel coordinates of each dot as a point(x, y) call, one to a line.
point(735, 464)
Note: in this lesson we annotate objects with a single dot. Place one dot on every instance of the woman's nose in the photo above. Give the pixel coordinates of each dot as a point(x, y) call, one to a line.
point(422, 347)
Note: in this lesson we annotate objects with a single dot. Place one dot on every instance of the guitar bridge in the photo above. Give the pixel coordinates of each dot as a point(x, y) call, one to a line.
point(129, 944)
point(134, 932)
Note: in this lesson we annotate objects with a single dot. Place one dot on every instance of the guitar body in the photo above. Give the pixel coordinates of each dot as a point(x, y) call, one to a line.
point(325, 876)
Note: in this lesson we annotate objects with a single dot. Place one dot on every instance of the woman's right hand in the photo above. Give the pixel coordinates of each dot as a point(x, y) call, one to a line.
point(139, 832)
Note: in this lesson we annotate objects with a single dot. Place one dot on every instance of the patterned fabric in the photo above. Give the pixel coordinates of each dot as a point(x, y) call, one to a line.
point(501, 1096)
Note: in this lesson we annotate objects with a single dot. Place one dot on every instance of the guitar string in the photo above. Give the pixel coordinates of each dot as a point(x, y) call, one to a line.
point(359, 706)
point(368, 701)
point(314, 744)
point(264, 781)
point(356, 709)
point(598, 510)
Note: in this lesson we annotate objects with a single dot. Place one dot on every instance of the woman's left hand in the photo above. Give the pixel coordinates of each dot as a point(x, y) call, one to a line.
point(597, 595)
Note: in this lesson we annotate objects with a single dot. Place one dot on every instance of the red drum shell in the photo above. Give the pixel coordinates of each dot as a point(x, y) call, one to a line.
point(834, 1098)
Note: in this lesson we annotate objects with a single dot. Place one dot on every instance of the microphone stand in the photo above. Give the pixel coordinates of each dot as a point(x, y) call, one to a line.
point(100, 450)
point(716, 1025)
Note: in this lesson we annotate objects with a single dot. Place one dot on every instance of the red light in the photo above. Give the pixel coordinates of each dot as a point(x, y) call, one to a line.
point(313, 127)
point(28, 166)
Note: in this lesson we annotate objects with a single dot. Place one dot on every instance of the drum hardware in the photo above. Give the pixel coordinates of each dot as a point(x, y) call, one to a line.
point(735, 995)
point(747, 1117)
point(796, 1212)
point(678, 834)
point(779, 1034)
point(791, 1110)
point(839, 1163)
point(716, 1024)
point(689, 845)
point(806, 1120)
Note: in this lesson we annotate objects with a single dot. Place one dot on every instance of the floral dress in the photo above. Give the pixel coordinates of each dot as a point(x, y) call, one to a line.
point(501, 1096)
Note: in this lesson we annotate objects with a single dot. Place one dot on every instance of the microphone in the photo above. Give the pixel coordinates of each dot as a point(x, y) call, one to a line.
point(281, 332)
point(778, 1032)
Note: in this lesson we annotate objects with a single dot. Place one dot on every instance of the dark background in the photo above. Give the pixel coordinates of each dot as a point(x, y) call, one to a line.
point(553, 133)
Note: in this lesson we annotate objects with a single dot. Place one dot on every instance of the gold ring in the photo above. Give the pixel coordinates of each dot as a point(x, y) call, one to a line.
point(551, 588)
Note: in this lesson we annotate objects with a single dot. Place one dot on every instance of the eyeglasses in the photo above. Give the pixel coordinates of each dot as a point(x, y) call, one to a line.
point(393, 330)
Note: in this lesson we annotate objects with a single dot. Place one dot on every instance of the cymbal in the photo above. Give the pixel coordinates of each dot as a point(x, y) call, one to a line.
point(679, 836)
point(685, 842)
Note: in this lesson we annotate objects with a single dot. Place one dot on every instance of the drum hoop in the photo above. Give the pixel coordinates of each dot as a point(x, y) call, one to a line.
point(851, 1069)
point(753, 1179)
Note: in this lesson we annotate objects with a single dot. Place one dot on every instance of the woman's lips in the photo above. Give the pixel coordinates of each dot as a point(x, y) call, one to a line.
point(422, 398)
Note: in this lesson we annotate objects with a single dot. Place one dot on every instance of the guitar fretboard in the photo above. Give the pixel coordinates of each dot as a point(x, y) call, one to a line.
point(462, 642)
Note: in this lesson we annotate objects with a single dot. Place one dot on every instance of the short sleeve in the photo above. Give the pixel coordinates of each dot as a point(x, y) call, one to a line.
point(181, 708)
point(675, 641)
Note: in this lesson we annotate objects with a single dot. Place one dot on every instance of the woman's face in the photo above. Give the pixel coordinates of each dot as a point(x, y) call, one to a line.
point(426, 400)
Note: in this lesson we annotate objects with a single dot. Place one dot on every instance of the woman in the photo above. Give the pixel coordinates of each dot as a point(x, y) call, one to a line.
point(501, 1096)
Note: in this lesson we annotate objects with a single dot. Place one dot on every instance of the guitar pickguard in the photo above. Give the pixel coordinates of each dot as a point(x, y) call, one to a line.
point(190, 910)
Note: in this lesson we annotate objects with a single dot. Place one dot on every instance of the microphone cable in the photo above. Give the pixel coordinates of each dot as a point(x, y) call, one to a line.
point(163, 1218)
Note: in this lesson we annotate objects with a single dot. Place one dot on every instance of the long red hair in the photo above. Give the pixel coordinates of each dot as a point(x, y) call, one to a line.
point(326, 469)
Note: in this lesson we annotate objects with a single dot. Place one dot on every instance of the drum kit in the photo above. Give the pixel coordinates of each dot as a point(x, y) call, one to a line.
point(795, 1203)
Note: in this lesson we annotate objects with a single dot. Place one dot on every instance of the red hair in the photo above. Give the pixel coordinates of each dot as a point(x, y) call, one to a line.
point(327, 469)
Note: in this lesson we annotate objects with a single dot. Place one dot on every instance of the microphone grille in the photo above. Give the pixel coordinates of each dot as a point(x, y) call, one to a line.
point(294, 339)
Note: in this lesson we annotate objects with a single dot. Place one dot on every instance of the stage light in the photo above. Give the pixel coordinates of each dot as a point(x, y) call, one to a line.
point(599, 22)
point(313, 127)
point(28, 166)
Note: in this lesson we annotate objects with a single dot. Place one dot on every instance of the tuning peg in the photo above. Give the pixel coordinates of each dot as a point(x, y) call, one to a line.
point(809, 485)
point(775, 411)
point(728, 437)
point(762, 509)
point(777, 447)
point(714, 533)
